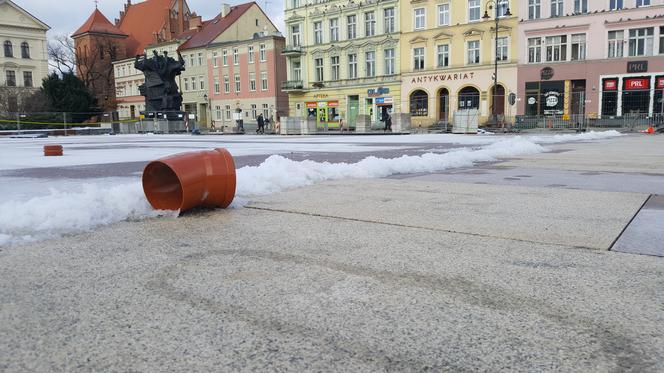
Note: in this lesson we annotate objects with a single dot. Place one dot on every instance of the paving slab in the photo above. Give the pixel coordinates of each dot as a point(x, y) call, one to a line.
point(255, 290)
point(590, 219)
point(639, 153)
point(645, 234)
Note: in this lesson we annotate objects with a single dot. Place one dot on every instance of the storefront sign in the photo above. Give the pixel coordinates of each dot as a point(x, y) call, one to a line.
point(552, 99)
point(321, 95)
point(546, 73)
point(637, 83)
point(442, 77)
point(660, 82)
point(637, 66)
point(384, 101)
point(611, 85)
point(332, 103)
point(378, 91)
point(311, 105)
point(532, 100)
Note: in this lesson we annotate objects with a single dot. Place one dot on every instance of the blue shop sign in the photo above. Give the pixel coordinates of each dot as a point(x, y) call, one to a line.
point(378, 91)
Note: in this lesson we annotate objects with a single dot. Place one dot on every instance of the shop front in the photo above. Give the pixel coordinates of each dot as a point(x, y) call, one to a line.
point(555, 98)
point(326, 113)
point(632, 95)
point(433, 97)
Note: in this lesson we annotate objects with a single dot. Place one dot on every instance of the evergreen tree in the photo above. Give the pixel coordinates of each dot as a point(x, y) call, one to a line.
point(67, 94)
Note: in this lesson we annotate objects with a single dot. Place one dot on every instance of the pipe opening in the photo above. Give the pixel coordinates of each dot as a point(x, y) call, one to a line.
point(162, 186)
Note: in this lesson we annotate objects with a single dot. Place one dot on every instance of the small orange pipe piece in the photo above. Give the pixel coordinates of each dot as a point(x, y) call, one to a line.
point(186, 180)
point(52, 150)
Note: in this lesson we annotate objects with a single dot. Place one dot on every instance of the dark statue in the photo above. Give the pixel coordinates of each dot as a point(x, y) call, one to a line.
point(160, 90)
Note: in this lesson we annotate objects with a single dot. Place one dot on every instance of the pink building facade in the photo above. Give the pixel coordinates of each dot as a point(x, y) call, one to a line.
point(600, 58)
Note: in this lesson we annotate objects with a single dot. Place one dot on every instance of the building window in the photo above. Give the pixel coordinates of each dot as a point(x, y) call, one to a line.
point(297, 70)
point(502, 54)
point(388, 13)
point(535, 50)
point(444, 14)
point(228, 112)
point(503, 5)
point(191, 60)
point(370, 63)
point(25, 50)
point(578, 47)
point(580, 6)
point(295, 35)
point(318, 32)
point(615, 4)
point(318, 62)
point(250, 54)
point(616, 41)
point(351, 22)
point(264, 80)
point(9, 51)
point(334, 29)
point(186, 84)
point(640, 3)
point(262, 53)
point(254, 113)
point(556, 48)
point(216, 85)
point(556, 8)
point(217, 110)
point(334, 62)
point(215, 63)
point(11, 78)
point(443, 53)
point(227, 84)
point(352, 66)
point(641, 42)
point(238, 84)
point(224, 57)
point(266, 111)
point(236, 57)
point(469, 98)
point(194, 84)
point(420, 18)
point(200, 59)
point(202, 81)
point(473, 10)
point(252, 82)
point(473, 52)
point(534, 7)
point(389, 61)
point(661, 40)
point(369, 24)
point(419, 104)
point(418, 59)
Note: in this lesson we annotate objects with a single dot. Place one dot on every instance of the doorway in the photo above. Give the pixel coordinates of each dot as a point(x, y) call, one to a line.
point(498, 101)
point(443, 105)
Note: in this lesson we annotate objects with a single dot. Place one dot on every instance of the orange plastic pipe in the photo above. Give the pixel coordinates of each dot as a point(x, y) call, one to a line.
point(52, 150)
point(187, 180)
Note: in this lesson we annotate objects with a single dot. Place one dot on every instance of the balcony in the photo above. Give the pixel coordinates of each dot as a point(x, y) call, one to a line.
point(292, 86)
point(292, 50)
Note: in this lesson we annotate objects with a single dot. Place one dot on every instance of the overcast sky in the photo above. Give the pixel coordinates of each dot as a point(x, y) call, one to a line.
point(65, 17)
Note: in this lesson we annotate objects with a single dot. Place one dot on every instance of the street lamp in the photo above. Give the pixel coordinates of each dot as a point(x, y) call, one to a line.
point(491, 4)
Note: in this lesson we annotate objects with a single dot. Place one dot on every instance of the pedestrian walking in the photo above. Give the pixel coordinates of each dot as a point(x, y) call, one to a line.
point(388, 122)
point(261, 124)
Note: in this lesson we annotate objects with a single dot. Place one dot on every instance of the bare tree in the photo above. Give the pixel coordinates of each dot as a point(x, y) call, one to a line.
point(62, 54)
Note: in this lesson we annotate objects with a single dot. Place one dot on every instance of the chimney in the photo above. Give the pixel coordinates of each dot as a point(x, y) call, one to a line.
point(180, 16)
point(225, 9)
point(195, 22)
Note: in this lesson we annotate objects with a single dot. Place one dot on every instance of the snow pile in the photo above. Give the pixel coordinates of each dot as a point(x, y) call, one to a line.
point(277, 173)
point(64, 212)
point(93, 205)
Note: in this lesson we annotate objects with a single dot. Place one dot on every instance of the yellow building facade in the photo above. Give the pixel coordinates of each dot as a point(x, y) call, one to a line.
point(447, 59)
point(343, 61)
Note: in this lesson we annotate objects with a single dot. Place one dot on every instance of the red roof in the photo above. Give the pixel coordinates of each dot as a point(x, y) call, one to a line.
point(214, 27)
point(141, 22)
point(97, 23)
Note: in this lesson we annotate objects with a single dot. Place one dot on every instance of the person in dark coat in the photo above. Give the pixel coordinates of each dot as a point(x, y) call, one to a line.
point(388, 122)
point(261, 124)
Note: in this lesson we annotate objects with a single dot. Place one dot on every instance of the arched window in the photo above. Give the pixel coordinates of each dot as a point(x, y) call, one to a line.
point(9, 52)
point(469, 98)
point(419, 103)
point(25, 50)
